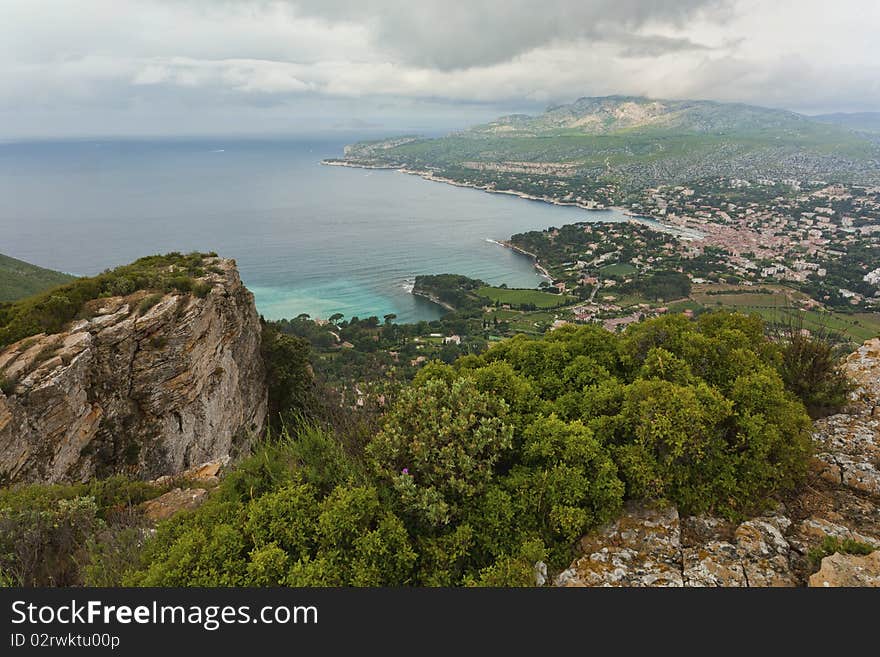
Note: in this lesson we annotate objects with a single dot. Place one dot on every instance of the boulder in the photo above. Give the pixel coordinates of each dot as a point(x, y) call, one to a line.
point(848, 570)
point(173, 502)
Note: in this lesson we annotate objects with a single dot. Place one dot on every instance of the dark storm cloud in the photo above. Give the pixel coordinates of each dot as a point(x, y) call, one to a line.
point(454, 35)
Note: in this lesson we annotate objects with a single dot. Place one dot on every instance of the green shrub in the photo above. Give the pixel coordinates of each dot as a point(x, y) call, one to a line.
point(479, 469)
point(832, 544)
point(201, 289)
point(148, 302)
point(43, 542)
point(288, 375)
point(7, 385)
point(811, 370)
point(517, 570)
point(111, 553)
point(565, 483)
point(438, 447)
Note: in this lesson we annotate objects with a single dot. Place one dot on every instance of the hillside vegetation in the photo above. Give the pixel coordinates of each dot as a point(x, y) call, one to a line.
point(49, 311)
point(19, 279)
point(486, 466)
point(637, 142)
point(478, 469)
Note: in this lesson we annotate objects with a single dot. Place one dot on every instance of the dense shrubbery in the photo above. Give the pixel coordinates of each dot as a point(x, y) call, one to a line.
point(486, 466)
point(48, 534)
point(49, 311)
point(478, 469)
point(288, 374)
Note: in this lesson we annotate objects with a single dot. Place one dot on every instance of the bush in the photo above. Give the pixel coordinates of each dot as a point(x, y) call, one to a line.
point(288, 375)
point(7, 385)
point(565, 483)
point(831, 545)
point(438, 448)
point(810, 370)
point(479, 469)
point(148, 302)
point(50, 534)
point(43, 542)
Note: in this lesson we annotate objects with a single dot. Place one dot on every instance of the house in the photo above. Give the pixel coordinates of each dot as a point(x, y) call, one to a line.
point(452, 339)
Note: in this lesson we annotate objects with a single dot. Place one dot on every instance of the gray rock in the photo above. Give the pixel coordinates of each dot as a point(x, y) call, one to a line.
point(145, 395)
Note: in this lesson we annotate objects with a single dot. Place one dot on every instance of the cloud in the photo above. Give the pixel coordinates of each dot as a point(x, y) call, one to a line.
point(455, 35)
point(74, 66)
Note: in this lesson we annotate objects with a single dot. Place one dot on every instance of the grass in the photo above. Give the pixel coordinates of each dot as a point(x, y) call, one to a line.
point(523, 297)
point(777, 307)
point(619, 269)
point(19, 279)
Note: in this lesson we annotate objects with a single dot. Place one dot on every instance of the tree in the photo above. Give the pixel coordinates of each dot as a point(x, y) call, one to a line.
point(288, 374)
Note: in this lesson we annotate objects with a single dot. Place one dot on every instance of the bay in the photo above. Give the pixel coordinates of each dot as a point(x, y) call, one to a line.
point(307, 238)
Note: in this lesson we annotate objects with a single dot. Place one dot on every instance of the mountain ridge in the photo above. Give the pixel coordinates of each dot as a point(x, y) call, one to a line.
point(630, 144)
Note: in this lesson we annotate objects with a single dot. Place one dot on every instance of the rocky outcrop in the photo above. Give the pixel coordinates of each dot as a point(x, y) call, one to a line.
point(148, 385)
point(641, 548)
point(848, 570)
point(650, 545)
point(173, 502)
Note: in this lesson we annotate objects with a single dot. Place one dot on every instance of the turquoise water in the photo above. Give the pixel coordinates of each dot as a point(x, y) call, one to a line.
point(308, 238)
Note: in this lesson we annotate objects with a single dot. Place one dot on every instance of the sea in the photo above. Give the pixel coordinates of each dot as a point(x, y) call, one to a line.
point(308, 238)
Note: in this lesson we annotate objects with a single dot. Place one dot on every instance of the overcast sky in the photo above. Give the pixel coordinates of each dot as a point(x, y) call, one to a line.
point(178, 67)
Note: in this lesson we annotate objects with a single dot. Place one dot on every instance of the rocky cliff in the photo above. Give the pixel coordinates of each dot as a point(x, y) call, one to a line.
point(651, 545)
point(148, 385)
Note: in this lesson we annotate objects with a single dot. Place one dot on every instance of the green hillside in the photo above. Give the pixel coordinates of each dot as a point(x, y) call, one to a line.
point(636, 143)
point(19, 279)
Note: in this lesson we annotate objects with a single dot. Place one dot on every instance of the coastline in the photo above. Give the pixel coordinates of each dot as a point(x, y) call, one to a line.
point(653, 222)
point(433, 299)
point(507, 244)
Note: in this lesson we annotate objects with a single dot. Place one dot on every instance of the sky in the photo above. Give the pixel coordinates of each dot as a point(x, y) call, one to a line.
point(79, 68)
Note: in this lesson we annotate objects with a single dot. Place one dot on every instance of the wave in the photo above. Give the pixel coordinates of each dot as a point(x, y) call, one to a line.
point(408, 284)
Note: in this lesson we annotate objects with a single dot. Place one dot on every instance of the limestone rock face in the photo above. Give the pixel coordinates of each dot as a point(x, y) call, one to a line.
point(650, 545)
point(848, 570)
point(145, 390)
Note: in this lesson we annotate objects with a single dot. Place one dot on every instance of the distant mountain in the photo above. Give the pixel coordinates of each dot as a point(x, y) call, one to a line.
point(636, 142)
point(19, 279)
point(614, 114)
point(864, 121)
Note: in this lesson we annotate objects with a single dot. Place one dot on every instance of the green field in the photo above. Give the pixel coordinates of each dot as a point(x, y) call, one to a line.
point(746, 299)
point(858, 328)
point(519, 297)
point(618, 269)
